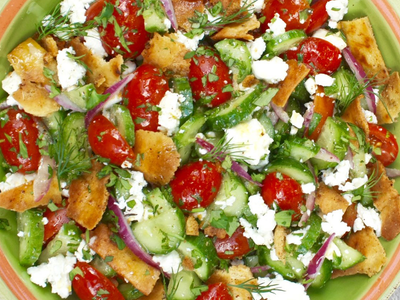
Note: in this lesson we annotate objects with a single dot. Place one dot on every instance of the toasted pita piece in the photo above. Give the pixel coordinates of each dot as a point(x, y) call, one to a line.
point(158, 292)
point(185, 10)
point(238, 31)
point(88, 198)
point(280, 234)
point(295, 74)
point(387, 201)
point(355, 115)
point(249, 81)
point(166, 53)
point(21, 198)
point(388, 107)
point(50, 45)
point(369, 245)
point(104, 73)
point(192, 227)
point(125, 262)
point(230, 6)
point(329, 199)
point(212, 231)
point(158, 158)
point(235, 275)
point(35, 100)
point(362, 43)
point(27, 60)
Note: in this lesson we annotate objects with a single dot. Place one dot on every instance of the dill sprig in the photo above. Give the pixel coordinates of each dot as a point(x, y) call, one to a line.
point(59, 25)
point(200, 21)
point(256, 288)
point(224, 148)
point(373, 179)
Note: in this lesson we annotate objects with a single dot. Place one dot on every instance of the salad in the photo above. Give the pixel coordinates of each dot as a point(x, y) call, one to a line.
point(199, 149)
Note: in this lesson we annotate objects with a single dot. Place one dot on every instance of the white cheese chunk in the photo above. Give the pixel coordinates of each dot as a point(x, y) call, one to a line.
point(332, 223)
point(336, 10)
point(272, 71)
point(333, 38)
point(14, 180)
point(255, 6)
point(296, 119)
point(370, 116)
point(76, 10)
point(277, 26)
point(311, 86)
point(295, 237)
point(338, 175)
point(171, 263)
point(370, 217)
point(190, 43)
point(84, 247)
point(324, 80)
point(256, 48)
point(93, 42)
point(170, 113)
point(69, 71)
point(308, 188)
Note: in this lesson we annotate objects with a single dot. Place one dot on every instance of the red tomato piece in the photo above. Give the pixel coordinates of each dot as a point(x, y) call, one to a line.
point(318, 16)
point(324, 106)
point(94, 285)
point(233, 246)
point(209, 75)
point(144, 92)
point(381, 138)
point(196, 185)
point(295, 13)
point(216, 291)
point(18, 136)
point(319, 55)
point(133, 37)
point(284, 191)
point(107, 141)
point(56, 219)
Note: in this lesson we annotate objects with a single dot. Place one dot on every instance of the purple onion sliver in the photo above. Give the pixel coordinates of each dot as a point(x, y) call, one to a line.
point(64, 101)
point(308, 116)
point(280, 112)
point(169, 10)
point(310, 204)
point(259, 269)
point(349, 157)
point(127, 236)
point(42, 182)
point(325, 155)
point(238, 169)
point(392, 173)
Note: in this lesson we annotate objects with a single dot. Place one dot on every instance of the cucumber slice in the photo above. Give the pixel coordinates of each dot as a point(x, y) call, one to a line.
point(181, 284)
point(311, 237)
point(324, 274)
point(236, 56)
point(165, 231)
point(299, 148)
point(292, 168)
point(100, 265)
point(349, 255)
point(54, 120)
point(266, 122)
point(66, 240)
point(335, 138)
point(181, 86)
point(201, 251)
point(80, 95)
point(234, 111)
point(30, 225)
point(284, 42)
point(122, 119)
point(185, 137)
point(154, 16)
point(129, 291)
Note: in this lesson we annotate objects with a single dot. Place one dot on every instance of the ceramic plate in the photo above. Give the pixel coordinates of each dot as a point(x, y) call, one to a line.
point(18, 20)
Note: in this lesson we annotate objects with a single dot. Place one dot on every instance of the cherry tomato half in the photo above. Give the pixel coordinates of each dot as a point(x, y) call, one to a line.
point(107, 141)
point(233, 246)
point(295, 13)
point(318, 16)
point(144, 93)
point(381, 138)
point(56, 219)
point(284, 191)
point(216, 291)
point(319, 55)
point(125, 32)
point(209, 75)
point(196, 184)
point(18, 136)
point(94, 285)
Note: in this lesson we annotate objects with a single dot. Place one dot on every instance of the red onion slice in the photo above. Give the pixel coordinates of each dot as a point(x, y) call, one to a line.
point(361, 77)
point(349, 157)
point(259, 269)
point(280, 112)
point(316, 262)
point(308, 116)
point(325, 155)
point(310, 204)
point(169, 10)
point(392, 173)
point(42, 182)
point(113, 91)
point(236, 167)
point(127, 236)
point(64, 101)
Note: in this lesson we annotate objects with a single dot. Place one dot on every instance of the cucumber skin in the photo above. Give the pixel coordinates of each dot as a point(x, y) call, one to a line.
point(350, 257)
point(324, 275)
point(122, 119)
point(292, 168)
point(30, 244)
point(285, 270)
point(284, 42)
point(183, 291)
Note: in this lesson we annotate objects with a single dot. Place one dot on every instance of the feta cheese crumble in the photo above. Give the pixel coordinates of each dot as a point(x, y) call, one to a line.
point(333, 38)
point(69, 71)
point(324, 80)
point(308, 188)
point(256, 48)
point(254, 6)
point(295, 237)
point(277, 26)
point(252, 141)
point(170, 263)
point(190, 43)
point(296, 119)
point(311, 86)
point(56, 272)
point(338, 175)
point(282, 289)
point(76, 10)
point(370, 116)
point(332, 223)
point(272, 71)
point(222, 204)
point(79, 253)
point(170, 113)
point(368, 216)
point(354, 184)
point(14, 180)
point(93, 42)
point(336, 10)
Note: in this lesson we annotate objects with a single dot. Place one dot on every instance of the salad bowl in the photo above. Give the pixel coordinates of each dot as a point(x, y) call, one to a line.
point(18, 21)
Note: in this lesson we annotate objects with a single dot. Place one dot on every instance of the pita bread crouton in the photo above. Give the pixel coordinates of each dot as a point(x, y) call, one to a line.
point(355, 115)
point(280, 234)
point(125, 262)
point(369, 245)
point(104, 73)
point(238, 30)
point(35, 99)
point(362, 43)
point(185, 10)
point(192, 227)
point(235, 275)
point(230, 6)
point(212, 231)
point(21, 197)
point(387, 202)
point(158, 292)
point(167, 54)
point(295, 74)
point(388, 107)
point(158, 158)
point(88, 198)
point(329, 199)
